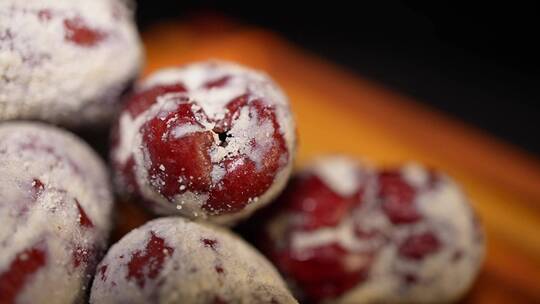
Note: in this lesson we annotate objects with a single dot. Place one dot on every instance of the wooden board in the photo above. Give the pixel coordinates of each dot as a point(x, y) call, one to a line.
point(337, 111)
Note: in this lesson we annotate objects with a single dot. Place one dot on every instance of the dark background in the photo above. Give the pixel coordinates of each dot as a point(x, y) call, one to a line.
point(474, 62)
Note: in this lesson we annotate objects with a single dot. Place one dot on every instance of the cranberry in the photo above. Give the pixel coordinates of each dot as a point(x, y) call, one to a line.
point(320, 271)
point(184, 164)
point(219, 141)
point(326, 244)
point(142, 263)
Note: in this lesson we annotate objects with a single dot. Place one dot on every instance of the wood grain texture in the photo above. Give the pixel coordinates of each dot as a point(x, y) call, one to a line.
point(337, 111)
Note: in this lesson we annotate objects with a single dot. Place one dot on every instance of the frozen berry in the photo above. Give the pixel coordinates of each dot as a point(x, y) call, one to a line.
point(343, 233)
point(66, 62)
point(212, 140)
point(55, 214)
point(174, 260)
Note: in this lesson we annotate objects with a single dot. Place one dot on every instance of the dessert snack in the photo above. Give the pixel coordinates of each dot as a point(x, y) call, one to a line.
point(348, 234)
point(210, 140)
point(174, 260)
point(55, 212)
point(66, 61)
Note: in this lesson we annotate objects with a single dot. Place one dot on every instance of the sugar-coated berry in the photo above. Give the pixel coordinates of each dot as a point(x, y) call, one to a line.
point(55, 214)
point(66, 62)
point(174, 260)
point(343, 233)
point(211, 139)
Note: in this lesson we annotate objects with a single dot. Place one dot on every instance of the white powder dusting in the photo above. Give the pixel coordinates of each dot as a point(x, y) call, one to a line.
point(217, 173)
point(339, 173)
point(183, 130)
point(343, 234)
point(246, 128)
point(415, 175)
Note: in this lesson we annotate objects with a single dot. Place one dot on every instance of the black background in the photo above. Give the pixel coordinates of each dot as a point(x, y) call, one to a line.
point(475, 62)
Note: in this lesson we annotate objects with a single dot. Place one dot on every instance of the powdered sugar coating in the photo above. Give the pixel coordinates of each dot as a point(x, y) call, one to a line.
point(55, 212)
point(339, 174)
point(229, 116)
point(407, 235)
point(66, 61)
point(174, 260)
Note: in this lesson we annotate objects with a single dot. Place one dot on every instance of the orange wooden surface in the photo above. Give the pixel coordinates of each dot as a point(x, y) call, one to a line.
point(337, 111)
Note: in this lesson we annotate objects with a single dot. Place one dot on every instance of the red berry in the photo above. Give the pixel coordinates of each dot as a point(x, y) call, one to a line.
point(214, 147)
point(341, 249)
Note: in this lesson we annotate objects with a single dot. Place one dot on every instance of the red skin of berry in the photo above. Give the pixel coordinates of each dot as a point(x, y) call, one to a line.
point(211, 243)
point(102, 271)
point(147, 264)
point(319, 273)
point(217, 82)
point(141, 101)
point(13, 280)
point(187, 159)
point(37, 188)
point(245, 181)
point(418, 246)
point(81, 34)
point(184, 157)
point(319, 205)
point(84, 256)
point(397, 198)
point(322, 275)
point(84, 220)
